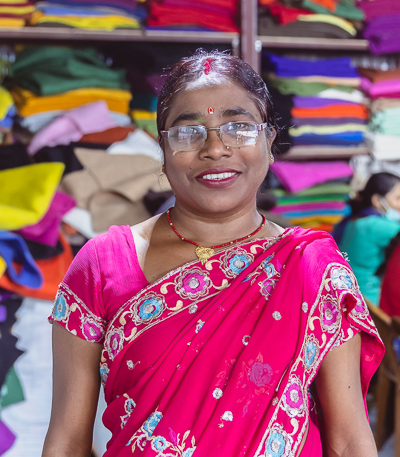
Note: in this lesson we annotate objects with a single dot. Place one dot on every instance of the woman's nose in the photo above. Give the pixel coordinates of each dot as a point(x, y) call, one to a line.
point(214, 147)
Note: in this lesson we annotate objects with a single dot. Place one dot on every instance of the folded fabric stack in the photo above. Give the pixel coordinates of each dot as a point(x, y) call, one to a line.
point(328, 108)
point(219, 15)
point(15, 13)
point(7, 113)
point(309, 18)
point(45, 79)
point(382, 25)
point(104, 15)
point(315, 193)
point(383, 88)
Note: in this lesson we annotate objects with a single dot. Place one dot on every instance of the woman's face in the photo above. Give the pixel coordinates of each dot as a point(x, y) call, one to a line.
point(393, 197)
point(215, 179)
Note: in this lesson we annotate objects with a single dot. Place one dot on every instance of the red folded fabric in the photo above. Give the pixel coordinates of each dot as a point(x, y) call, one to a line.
point(358, 111)
point(108, 136)
point(285, 15)
point(53, 271)
point(161, 15)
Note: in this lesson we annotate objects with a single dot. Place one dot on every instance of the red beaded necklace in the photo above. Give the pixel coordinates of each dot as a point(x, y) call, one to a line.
point(204, 254)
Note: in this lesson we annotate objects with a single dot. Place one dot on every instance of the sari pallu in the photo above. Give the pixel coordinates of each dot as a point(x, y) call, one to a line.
point(217, 359)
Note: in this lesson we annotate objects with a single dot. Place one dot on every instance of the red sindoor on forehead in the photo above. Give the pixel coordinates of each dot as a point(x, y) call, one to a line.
point(207, 65)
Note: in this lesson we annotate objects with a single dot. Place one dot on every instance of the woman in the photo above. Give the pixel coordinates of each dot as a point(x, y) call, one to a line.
point(209, 324)
point(373, 222)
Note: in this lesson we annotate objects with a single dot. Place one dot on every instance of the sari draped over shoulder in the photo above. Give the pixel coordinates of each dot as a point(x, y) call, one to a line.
point(218, 359)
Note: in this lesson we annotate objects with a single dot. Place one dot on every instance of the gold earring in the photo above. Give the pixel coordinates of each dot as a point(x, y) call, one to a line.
point(271, 157)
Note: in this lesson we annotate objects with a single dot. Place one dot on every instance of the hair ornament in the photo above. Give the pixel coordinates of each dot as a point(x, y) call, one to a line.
point(207, 65)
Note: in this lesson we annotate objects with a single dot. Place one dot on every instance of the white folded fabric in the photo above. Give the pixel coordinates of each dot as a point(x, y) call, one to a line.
point(137, 143)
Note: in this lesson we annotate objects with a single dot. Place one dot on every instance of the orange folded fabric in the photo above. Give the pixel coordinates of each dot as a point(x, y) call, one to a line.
point(53, 271)
point(328, 4)
point(379, 75)
point(336, 111)
point(108, 136)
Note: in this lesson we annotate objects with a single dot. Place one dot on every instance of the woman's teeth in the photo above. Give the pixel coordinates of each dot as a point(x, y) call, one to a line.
point(219, 176)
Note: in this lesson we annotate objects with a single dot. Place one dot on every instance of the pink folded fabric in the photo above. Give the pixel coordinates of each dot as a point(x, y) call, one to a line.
point(381, 88)
point(308, 207)
point(299, 176)
point(47, 230)
point(72, 125)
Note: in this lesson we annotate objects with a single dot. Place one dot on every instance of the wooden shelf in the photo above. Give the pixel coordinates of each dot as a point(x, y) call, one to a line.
point(70, 34)
point(321, 152)
point(313, 43)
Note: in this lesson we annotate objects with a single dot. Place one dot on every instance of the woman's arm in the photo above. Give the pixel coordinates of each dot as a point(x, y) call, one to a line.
point(76, 383)
point(346, 429)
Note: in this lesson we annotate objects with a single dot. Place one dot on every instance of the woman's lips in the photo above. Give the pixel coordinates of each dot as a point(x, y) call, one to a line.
point(217, 179)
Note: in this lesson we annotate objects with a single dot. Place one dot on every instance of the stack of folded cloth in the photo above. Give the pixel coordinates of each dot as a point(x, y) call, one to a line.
point(383, 88)
point(15, 13)
point(104, 15)
point(382, 25)
point(314, 194)
point(7, 113)
point(45, 79)
point(328, 109)
point(313, 18)
point(219, 15)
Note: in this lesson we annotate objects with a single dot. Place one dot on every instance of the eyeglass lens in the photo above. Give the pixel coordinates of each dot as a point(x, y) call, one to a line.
point(233, 134)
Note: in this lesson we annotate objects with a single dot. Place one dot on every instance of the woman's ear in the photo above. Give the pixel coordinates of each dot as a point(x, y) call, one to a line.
point(376, 202)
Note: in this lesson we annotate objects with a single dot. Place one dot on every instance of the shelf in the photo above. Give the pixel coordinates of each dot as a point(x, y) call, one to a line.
point(321, 152)
point(70, 34)
point(314, 43)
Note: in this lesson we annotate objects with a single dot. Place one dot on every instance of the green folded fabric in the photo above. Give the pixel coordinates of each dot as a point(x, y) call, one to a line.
point(26, 193)
point(293, 86)
point(11, 391)
point(287, 200)
point(345, 9)
point(322, 189)
point(47, 70)
point(149, 125)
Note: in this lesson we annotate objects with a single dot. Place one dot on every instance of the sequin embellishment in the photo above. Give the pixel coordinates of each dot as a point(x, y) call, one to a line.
point(277, 315)
point(304, 307)
point(246, 339)
point(227, 416)
point(217, 394)
point(193, 309)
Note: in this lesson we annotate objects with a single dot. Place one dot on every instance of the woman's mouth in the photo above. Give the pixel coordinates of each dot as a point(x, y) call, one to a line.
point(214, 178)
point(218, 176)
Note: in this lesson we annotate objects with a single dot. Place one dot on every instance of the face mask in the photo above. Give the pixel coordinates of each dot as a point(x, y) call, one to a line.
point(390, 213)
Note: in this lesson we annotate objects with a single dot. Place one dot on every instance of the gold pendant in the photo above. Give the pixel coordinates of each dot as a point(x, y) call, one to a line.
point(204, 254)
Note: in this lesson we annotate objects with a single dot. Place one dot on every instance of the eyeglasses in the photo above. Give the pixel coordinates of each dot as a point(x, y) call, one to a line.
point(232, 134)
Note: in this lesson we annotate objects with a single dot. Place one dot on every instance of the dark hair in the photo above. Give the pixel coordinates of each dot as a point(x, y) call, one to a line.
point(388, 253)
point(379, 183)
point(214, 65)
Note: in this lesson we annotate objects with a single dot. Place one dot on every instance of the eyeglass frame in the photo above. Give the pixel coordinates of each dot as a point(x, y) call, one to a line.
point(260, 127)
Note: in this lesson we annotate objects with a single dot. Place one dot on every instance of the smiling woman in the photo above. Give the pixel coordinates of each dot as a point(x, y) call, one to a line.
point(213, 331)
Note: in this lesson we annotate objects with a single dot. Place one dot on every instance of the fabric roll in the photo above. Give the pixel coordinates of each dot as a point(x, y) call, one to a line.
point(26, 193)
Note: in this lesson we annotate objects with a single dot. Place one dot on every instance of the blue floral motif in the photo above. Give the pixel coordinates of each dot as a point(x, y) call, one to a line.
point(341, 279)
point(152, 422)
point(275, 445)
point(104, 373)
point(150, 308)
point(189, 452)
point(310, 353)
point(160, 443)
point(238, 263)
point(60, 308)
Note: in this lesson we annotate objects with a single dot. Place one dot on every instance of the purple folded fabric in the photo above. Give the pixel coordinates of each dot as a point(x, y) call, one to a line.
point(4, 294)
point(7, 438)
point(315, 102)
point(3, 313)
point(299, 122)
point(299, 176)
point(381, 88)
point(308, 207)
point(47, 230)
point(378, 8)
point(140, 82)
point(383, 34)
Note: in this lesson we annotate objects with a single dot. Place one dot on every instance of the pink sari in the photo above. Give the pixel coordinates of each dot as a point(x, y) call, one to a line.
point(218, 359)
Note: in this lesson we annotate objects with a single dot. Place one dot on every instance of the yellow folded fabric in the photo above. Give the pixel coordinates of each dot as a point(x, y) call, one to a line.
point(11, 22)
point(335, 20)
point(107, 23)
point(352, 82)
point(20, 10)
point(6, 102)
point(319, 219)
point(26, 193)
point(142, 114)
point(327, 129)
point(3, 266)
point(13, 2)
point(28, 103)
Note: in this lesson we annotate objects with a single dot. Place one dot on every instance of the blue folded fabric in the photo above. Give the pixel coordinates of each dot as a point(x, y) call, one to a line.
point(336, 139)
point(14, 249)
point(294, 68)
point(137, 11)
point(71, 11)
point(315, 212)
